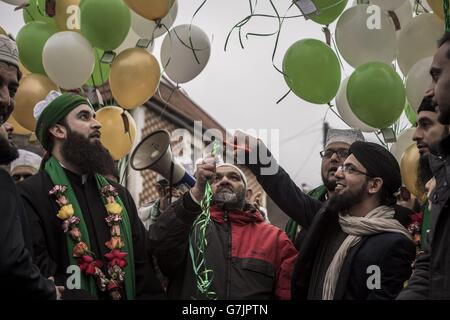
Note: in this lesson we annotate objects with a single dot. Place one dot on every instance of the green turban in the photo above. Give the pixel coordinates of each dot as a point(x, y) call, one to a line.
point(54, 112)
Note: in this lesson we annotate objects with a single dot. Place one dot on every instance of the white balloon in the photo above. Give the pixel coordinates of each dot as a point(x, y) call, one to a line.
point(360, 44)
point(16, 2)
point(404, 14)
point(177, 56)
point(68, 59)
point(148, 29)
point(418, 81)
point(131, 41)
point(346, 112)
point(388, 5)
point(418, 40)
point(404, 140)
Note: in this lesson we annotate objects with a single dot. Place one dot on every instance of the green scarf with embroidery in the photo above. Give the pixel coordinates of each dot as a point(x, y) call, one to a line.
point(59, 177)
point(292, 226)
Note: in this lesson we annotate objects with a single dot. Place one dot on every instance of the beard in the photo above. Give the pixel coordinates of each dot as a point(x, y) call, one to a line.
point(329, 184)
point(424, 173)
point(90, 157)
point(8, 152)
point(229, 200)
point(340, 202)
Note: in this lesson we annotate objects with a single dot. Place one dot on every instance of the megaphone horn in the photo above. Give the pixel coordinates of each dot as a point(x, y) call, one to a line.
point(154, 153)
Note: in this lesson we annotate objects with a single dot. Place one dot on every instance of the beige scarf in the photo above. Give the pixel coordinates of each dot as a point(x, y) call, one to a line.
point(379, 220)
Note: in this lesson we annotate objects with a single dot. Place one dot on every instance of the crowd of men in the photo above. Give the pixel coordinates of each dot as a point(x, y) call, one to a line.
point(349, 239)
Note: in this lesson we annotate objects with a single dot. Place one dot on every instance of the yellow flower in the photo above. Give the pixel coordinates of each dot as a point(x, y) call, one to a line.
point(65, 212)
point(114, 208)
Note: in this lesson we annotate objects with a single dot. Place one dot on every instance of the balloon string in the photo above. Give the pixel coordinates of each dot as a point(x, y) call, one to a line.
point(447, 16)
point(198, 241)
point(284, 96)
point(166, 102)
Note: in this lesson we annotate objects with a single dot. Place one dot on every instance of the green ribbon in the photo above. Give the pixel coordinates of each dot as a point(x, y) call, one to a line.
point(447, 16)
point(198, 242)
point(59, 177)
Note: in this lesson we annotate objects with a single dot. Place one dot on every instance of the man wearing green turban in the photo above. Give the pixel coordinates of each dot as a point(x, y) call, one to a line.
point(80, 218)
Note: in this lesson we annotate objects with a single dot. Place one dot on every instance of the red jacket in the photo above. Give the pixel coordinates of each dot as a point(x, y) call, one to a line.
point(250, 258)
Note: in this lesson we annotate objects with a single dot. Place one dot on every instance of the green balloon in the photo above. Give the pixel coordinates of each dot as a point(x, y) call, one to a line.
point(101, 70)
point(105, 23)
point(312, 71)
point(410, 114)
point(376, 94)
point(329, 10)
point(35, 11)
point(30, 42)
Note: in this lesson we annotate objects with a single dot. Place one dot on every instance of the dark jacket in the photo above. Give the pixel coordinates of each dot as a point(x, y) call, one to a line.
point(49, 240)
point(393, 253)
point(19, 277)
point(250, 259)
point(431, 278)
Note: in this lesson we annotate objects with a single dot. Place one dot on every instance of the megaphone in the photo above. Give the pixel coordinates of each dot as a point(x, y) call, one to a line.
point(154, 153)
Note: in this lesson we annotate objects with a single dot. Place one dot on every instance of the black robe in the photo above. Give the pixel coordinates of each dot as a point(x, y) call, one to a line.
point(19, 277)
point(49, 240)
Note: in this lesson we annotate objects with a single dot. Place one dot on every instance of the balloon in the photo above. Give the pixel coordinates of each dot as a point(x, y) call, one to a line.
point(346, 112)
point(18, 129)
point(2, 31)
point(404, 140)
point(67, 15)
point(134, 77)
point(149, 29)
point(114, 135)
point(68, 59)
point(418, 40)
point(101, 70)
point(30, 42)
point(376, 94)
point(408, 169)
point(151, 10)
point(35, 11)
point(16, 2)
point(404, 14)
point(358, 44)
point(410, 114)
point(131, 41)
point(329, 10)
point(32, 89)
point(418, 81)
point(388, 5)
point(105, 23)
point(312, 71)
point(437, 7)
point(177, 56)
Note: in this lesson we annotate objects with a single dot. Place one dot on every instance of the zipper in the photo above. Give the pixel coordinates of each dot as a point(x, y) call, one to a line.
point(228, 284)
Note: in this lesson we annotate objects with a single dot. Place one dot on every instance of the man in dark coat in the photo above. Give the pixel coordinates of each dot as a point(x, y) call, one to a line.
point(431, 278)
point(78, 217)
point(19, 277)
point(327, 268)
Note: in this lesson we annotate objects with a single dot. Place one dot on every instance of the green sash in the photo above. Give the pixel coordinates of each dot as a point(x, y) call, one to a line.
point(58, 176)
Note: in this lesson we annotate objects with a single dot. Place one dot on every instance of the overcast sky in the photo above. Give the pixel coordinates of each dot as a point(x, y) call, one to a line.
point(240, 88)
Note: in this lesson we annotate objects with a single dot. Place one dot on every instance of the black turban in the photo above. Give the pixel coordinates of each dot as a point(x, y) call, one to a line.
point(379, 163)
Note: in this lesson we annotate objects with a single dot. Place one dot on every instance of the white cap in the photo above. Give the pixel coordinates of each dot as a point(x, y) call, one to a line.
point(27, 159)
point(41, 105)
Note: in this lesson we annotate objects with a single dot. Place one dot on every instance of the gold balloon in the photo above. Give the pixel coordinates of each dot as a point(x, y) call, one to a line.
point(408, 169)
point(32, 89)
point(118, 130)
point(67, 15)
point(18, 129)
point(24, 70)
point(2, 31)
point(134, 77)
point(438, 7)
point(150, 9)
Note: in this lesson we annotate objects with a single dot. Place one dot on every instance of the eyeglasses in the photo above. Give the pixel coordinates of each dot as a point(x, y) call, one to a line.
point(328, 153)
point(349, 169)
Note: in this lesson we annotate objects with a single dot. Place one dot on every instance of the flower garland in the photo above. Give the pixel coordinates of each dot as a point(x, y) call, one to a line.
point(90, 266)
